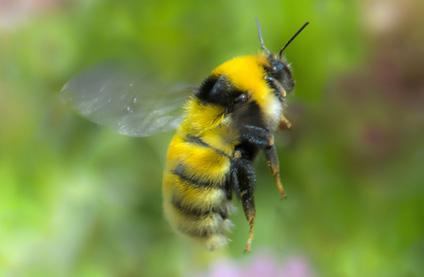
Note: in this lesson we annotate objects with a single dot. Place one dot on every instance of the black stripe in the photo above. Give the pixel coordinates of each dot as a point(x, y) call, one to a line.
point(197, 213)
point(198, 141)
point(191, 211)
point(179, 170)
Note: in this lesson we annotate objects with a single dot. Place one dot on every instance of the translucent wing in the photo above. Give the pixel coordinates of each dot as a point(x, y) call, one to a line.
point(131, 103)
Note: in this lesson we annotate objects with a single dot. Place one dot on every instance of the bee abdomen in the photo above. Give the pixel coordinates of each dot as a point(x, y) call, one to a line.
point(206, 225)
point(195, 197)
point(191, 180)
point(197, 213)
point(197, 208)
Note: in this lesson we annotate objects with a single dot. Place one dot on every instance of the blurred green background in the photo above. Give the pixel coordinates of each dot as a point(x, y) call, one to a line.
point(77, 199)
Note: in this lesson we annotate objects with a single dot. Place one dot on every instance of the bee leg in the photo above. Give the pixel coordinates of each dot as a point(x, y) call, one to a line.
point(243, 180)
point(277, 86)
point(262, 138)
point(284, 123)
point(255, 135)
point(274, 164)
point(281, 94)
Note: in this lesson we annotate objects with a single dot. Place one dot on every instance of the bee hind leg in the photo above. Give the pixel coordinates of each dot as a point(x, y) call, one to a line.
point(243, 180)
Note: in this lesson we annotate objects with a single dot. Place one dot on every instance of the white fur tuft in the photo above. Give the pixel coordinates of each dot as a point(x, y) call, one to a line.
point(216, 241)
point(274, 111)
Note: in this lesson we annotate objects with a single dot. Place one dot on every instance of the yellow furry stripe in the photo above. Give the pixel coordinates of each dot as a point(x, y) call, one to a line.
point(247, 74)
point(223, 138)
point(201, 117)
point(205, 226)
point(199, 161)
point(200, 198)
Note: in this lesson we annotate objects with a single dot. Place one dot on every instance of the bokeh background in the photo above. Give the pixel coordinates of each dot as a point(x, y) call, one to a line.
point(77, 199)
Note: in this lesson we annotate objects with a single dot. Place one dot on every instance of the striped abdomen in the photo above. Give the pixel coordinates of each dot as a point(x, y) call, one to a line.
point(195, 198)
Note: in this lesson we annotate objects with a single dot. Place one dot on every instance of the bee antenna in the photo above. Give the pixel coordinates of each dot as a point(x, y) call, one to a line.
point(280, 54)
point(261, 39)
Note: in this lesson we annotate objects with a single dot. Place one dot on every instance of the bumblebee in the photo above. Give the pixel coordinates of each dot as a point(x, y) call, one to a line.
point(225, 123)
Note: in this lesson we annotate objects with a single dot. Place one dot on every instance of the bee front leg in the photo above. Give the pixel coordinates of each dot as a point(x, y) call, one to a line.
point(281, 94)
point(243, 179)
point(284, 123)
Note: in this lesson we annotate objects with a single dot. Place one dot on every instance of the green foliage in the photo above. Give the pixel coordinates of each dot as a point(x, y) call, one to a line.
point(78, 199)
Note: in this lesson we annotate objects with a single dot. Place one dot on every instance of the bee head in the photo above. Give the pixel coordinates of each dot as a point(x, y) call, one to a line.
point(278, 71)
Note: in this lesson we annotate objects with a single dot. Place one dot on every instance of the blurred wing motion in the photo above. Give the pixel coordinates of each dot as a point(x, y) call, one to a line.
point(132, 104)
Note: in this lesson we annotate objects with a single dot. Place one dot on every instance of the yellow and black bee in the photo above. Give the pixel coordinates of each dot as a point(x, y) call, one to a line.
point(226, 122)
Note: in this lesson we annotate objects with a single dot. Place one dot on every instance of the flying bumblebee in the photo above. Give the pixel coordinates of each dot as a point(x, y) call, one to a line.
point(225, 122)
